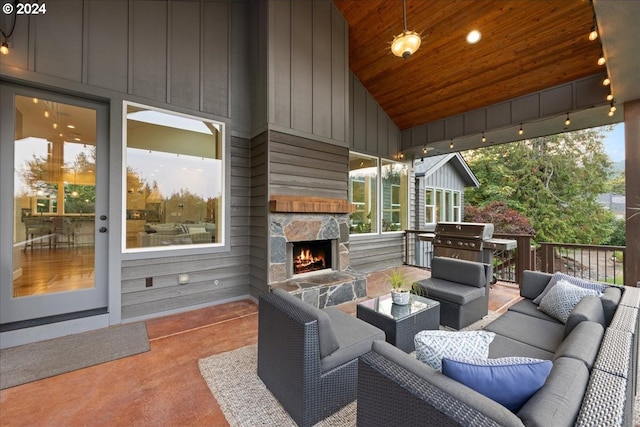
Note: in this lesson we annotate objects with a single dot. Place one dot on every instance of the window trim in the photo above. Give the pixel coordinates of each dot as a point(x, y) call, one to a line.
point(439, 199)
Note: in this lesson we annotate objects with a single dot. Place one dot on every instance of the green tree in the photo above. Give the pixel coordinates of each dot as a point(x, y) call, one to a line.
point(552, 181)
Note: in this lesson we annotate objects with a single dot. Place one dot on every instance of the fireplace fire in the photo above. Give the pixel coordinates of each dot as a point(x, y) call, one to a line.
point(311, 256)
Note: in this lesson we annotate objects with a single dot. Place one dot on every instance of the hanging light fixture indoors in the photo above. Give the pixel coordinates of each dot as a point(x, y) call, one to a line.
point(407, 42)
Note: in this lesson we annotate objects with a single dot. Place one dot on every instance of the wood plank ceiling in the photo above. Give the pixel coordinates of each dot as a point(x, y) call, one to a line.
point(526, 46)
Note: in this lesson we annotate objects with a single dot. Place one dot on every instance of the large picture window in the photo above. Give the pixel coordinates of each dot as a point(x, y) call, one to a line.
point(174, 190)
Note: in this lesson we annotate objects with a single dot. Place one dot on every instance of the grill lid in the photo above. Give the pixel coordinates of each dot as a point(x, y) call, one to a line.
point(465, 230)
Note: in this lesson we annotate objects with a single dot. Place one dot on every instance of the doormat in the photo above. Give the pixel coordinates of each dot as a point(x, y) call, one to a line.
point(35, 361)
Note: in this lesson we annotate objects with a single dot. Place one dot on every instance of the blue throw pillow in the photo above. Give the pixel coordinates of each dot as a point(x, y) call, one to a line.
point(510, 381)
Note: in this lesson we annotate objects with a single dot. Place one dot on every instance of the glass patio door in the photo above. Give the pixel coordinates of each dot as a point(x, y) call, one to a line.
point(53, 229)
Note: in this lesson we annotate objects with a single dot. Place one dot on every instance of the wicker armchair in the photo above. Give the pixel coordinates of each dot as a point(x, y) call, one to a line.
point(307, 357)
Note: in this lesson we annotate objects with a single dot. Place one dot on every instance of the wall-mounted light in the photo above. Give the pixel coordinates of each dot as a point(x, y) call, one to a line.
point(520, 131)
point(567, 122)
point(484, 138)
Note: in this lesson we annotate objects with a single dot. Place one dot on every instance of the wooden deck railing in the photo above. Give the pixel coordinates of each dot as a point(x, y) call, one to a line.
point(590, 262)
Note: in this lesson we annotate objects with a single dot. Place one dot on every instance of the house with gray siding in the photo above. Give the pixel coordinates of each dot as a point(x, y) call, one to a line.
point(212, 137)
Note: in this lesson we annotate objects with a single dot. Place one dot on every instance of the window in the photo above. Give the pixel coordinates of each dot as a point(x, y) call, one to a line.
point(174, 179)
point(395, 189)
point(363, 189)
point(442, 205)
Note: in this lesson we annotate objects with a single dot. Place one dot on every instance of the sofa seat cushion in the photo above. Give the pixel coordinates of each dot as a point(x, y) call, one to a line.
point(558, 402)
point(453, 292)
point(529, 330)
point(433, 346)
point(526, 306)
point(510, 381)
point(576, 281)
point(354, 338)
point(562, 299)
point(326, 332)
point(460, 271)
point(583, 343)
point(508, 347)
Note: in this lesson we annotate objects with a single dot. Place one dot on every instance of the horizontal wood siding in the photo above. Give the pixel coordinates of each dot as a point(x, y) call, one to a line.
point(368, 254)
point(308, 69)
point(259, 215)
point(229, 269)
point(303, 167)
point(372, 131)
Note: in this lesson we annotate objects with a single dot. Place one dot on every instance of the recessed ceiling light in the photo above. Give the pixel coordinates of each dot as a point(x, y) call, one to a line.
point(474, 37)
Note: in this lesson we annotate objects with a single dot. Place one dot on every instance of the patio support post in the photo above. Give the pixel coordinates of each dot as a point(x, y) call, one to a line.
point(632, 171)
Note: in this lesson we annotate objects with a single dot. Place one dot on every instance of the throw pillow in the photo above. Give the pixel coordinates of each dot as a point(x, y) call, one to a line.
point(510, 381)
point(573, 280)
point(562, 298)
point(432, 346)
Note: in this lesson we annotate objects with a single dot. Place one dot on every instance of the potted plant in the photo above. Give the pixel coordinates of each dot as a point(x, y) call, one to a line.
point(400, 289)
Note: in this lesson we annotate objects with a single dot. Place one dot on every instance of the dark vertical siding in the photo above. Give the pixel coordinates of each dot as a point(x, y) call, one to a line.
point(215, 61)
point(148, 50)
point(107, 59)
point(184, 79)
point(308, 69)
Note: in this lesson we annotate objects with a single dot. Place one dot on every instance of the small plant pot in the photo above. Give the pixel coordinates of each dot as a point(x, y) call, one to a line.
point(400, 297)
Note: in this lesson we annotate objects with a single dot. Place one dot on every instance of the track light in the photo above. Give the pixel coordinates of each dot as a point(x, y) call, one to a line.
point(521, 131)
point(484, 138)
point(568, 121)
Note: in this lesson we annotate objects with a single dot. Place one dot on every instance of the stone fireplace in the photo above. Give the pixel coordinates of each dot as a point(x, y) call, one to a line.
point(309, 250)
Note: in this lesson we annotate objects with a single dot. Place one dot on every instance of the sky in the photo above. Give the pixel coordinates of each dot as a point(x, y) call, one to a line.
point(614, 143)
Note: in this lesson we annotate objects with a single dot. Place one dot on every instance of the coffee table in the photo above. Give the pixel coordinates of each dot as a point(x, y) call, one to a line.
point(400, 323)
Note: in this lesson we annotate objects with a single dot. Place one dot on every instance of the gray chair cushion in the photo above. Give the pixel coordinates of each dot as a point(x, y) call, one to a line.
point(354, 337)
point(529, 330)
point(526, 306)
point(558, 402)
point(460, 271)
point(326, 334)
point(583, 343)
point(589, 308)
point(454, 292)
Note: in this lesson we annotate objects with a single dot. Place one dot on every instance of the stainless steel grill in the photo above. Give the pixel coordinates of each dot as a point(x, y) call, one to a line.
point(464, 240)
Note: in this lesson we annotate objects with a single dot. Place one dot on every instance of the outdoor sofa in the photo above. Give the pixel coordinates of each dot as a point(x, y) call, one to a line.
point(592, 381)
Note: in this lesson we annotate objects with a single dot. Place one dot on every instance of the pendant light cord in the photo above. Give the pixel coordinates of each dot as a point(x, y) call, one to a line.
point(404, 14)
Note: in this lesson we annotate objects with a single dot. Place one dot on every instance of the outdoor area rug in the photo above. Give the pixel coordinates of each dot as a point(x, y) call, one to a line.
point(245, 401)
point(32, 362)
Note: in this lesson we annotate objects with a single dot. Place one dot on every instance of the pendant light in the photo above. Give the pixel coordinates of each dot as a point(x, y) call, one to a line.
point(407, 42)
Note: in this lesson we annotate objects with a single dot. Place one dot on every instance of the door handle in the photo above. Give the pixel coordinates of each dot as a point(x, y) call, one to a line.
point(102, 229)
